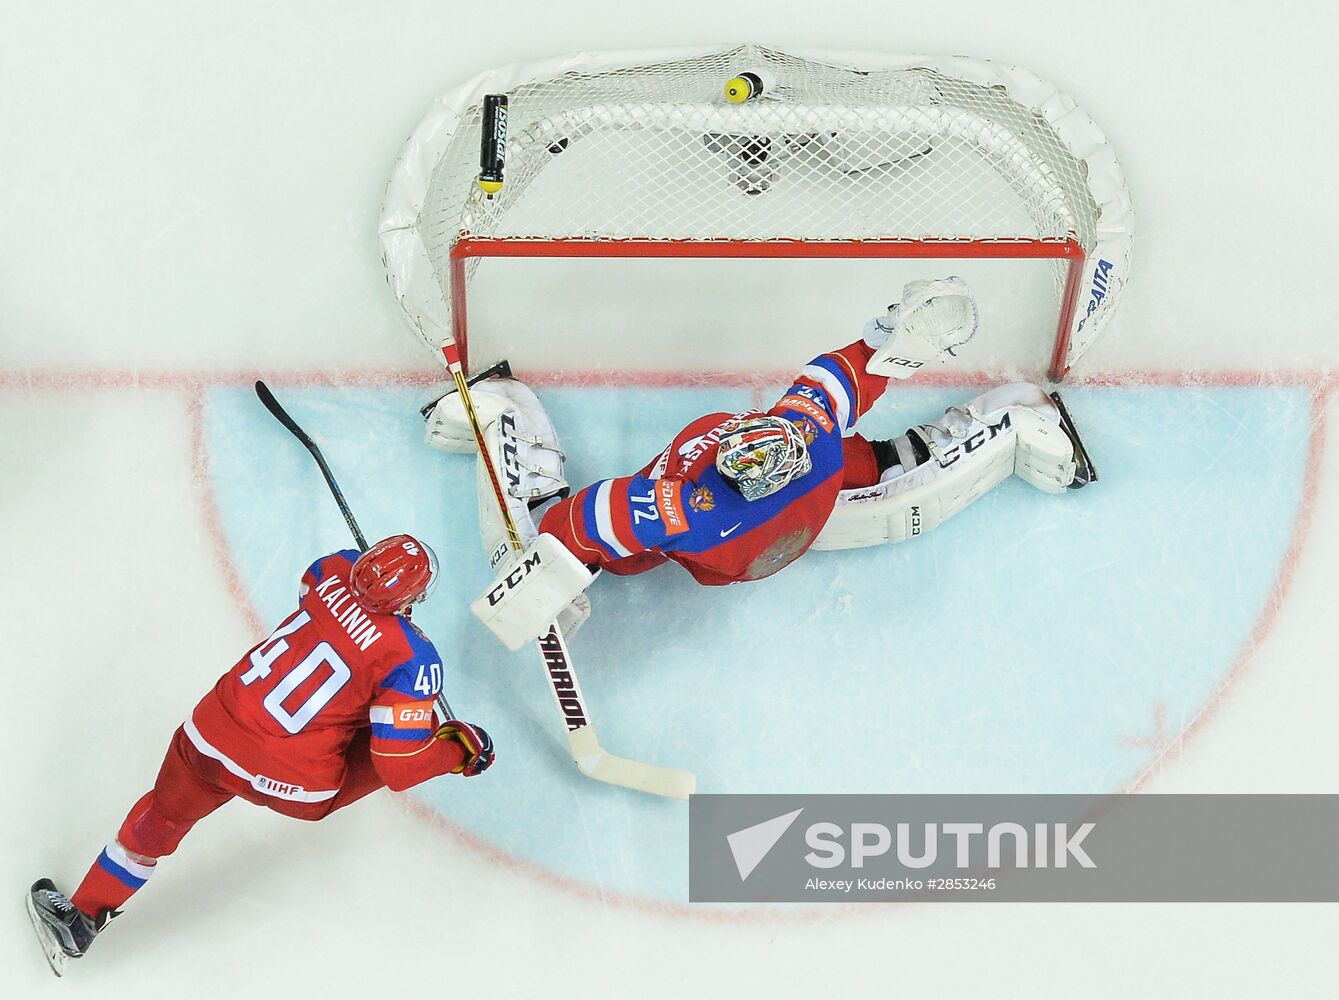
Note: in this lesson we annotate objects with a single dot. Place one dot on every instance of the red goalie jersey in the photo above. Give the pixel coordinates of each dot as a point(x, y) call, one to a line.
point(281, 719)
point(680, 508)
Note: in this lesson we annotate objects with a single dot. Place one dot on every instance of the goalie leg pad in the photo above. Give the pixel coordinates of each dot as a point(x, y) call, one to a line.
point(449, 428)
point(523, 445)
point(525, 448)
point(973, 448)
point(539, 463)
point(502, 446)
point(1044, 455)
point(530, 591)
point(918, 501)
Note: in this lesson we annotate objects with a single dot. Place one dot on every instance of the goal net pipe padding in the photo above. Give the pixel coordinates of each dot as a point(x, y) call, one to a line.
point(637, 154)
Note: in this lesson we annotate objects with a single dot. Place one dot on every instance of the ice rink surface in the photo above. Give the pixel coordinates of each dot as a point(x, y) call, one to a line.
point(189, 201)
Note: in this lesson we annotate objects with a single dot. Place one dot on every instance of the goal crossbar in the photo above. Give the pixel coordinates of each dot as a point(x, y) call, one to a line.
point(1069, 251)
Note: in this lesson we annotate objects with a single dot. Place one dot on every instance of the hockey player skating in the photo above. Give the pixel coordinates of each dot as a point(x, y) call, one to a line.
point(335, 704)
point(738, 497)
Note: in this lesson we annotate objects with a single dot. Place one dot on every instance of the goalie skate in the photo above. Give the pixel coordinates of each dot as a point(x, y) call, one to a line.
point(500, 370)
point(1085, 471)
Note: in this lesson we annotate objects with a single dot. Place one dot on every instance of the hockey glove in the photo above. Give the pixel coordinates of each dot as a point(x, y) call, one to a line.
point(478, 746)
point(932, 319)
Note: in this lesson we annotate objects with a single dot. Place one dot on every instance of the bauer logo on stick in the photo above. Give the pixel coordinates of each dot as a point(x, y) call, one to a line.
point(493, 144)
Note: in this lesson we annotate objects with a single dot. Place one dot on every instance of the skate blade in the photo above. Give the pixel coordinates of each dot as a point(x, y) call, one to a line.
point(502, 370)
point(1087, 471)
point(55, 956)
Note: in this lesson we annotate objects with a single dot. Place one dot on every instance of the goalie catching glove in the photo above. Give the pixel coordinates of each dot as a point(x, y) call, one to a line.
point(476, 743)
point(932, 319)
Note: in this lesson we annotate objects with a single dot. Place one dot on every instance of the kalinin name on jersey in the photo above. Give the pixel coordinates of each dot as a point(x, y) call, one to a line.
point(335, 596)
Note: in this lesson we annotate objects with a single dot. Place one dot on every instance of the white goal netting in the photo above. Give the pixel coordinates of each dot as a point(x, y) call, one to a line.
point(641, 155)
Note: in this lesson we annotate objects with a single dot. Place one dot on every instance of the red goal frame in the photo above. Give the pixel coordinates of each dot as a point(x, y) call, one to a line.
point(1069, 250)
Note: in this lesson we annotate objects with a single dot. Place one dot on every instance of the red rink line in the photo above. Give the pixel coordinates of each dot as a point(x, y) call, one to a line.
point(57, 380)
point(194, 384)
point(204, 491)
point(725, 914)
point(1264, 624)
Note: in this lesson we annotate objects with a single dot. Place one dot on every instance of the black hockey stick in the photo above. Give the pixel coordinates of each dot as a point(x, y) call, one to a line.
point(282, 415)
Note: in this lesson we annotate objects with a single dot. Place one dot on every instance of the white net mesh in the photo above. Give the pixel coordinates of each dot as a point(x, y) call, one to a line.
point(827, 153)
point(655, 152)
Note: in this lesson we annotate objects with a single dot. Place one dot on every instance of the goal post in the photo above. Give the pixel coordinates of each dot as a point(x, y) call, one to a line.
point(841, 156)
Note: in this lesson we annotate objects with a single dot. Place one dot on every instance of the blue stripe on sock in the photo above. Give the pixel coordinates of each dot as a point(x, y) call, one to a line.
point(119, 873)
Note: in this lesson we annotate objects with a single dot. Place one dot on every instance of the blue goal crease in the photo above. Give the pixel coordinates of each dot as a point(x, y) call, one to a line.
point(1026, 646)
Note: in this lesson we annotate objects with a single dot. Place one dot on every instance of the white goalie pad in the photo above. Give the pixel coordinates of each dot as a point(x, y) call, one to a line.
point(531, 590)
point(449, 428)
point(500, 439)
point(933, 318)
point(1010, 429)
point(523, 446)
point(1044, 455)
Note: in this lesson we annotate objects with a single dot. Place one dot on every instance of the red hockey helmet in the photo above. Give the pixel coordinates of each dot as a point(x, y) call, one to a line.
point(393, 574)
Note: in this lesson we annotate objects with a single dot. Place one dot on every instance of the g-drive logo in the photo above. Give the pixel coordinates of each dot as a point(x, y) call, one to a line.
point(963, 846)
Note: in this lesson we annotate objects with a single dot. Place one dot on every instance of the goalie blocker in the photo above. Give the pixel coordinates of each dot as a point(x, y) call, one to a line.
point(530, 591)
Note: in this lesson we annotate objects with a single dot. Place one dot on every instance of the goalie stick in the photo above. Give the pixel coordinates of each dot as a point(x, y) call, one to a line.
point(593, 760)
point(282, 415)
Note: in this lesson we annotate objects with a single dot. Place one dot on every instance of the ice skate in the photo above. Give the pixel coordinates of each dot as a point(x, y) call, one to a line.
point(63, 931)
point(1085, 471)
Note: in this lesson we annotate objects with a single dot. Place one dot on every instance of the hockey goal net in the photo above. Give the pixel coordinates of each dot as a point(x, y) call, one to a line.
point(840, 157)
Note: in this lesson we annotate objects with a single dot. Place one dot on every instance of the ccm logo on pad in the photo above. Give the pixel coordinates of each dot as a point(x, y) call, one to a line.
point(513, 579)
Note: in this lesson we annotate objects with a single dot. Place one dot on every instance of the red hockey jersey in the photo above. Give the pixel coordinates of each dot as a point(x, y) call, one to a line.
point(680, 508)
point(281, 719)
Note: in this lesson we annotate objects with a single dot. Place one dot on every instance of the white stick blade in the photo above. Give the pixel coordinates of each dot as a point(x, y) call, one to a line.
point(595, 762)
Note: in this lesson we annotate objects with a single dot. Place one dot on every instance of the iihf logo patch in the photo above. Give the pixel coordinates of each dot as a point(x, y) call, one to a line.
point(701, 499)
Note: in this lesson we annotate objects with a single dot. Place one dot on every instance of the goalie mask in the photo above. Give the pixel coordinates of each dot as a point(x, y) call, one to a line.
point(394, 574)
point(760, 455)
